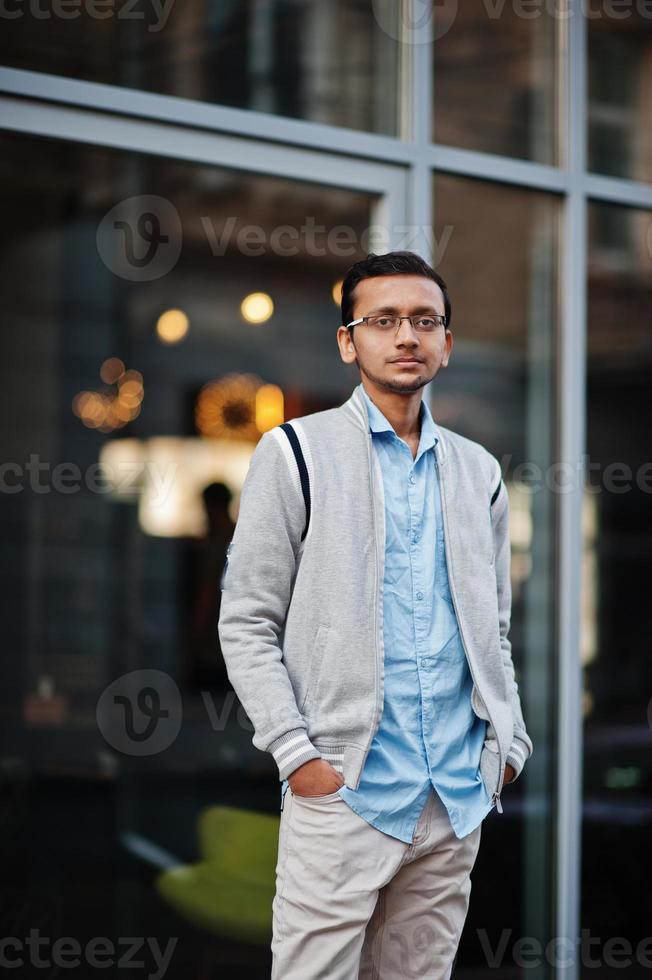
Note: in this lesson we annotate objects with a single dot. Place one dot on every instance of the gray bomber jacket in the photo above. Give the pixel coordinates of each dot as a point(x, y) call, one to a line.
point(301, 621)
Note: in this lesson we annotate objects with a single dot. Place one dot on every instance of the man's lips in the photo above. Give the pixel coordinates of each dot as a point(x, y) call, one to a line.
point(406, 360)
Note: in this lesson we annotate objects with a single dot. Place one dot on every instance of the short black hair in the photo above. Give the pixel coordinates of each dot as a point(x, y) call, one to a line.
point(391, 264)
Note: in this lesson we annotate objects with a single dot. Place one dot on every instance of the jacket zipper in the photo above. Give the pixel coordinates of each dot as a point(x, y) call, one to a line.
point(495, 797)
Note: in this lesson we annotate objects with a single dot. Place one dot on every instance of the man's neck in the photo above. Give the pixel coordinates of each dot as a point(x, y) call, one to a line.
point(402, 411)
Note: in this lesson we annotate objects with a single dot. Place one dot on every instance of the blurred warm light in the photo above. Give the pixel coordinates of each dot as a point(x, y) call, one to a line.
point(269, 407)
point(337, 292)
point(131, 377)
point(166, 476)
point(111, 409)
point(227, 407)
point(257, 307)
point(176, 472)
point(123, 412)
point(80, 400)
point(111, 370)
point(91, 408)
point(131, 397)
point(172, 326)
point(122, 465)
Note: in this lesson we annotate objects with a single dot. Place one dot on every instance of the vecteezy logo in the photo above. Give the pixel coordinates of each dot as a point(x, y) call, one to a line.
point(140, 713)
point(140, 238)
point(433, 19)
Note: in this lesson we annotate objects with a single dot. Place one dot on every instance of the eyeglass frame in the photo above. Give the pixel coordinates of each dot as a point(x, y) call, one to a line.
point(441, 317)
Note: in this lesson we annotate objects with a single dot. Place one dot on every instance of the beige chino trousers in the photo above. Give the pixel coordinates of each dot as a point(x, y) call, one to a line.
point(354, 903)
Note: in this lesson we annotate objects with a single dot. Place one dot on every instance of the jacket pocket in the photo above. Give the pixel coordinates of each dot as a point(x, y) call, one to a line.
point(490, 770)
point(315, 663)
point(492, 744)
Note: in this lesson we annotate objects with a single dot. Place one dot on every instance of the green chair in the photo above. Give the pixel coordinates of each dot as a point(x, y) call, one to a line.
point(230, 890)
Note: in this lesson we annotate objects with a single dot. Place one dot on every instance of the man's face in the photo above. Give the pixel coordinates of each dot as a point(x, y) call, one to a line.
point(379, 355)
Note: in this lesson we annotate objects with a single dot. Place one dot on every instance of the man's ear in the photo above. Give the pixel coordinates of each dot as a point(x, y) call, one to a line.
point(350, 347)
point(446, 358)
point(356, 361)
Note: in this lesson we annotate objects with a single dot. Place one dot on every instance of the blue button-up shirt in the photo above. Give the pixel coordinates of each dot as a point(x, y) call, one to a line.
point(429, 736)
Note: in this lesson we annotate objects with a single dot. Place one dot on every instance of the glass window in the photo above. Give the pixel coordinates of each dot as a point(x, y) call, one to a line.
point(495, 79)
point(158, 316)
point(617, 568)
point(620, 82)
point(496, 247)
point(327, 61)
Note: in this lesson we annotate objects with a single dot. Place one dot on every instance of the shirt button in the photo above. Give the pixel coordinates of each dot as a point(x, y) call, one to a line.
point(419, 595)
point(413, 478)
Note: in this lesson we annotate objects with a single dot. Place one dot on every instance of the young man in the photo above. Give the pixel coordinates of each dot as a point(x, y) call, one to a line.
point(366, 636)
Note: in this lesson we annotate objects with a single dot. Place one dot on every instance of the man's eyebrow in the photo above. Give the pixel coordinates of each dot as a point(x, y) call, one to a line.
point(394, 309)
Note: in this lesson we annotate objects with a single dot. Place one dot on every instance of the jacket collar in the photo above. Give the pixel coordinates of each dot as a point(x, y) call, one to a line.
point(357, 410)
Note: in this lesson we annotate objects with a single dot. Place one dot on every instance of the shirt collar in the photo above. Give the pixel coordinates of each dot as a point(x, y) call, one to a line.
point(378, 422)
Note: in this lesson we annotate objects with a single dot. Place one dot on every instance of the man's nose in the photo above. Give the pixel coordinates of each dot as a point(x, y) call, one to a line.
point(405, 331)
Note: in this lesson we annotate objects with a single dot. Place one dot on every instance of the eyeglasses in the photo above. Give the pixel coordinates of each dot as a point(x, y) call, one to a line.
point(384, 322)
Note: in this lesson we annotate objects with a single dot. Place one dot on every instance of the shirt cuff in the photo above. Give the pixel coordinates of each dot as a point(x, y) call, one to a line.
point(291, 750)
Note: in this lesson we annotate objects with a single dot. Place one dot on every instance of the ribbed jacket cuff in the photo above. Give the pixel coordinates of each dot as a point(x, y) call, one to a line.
point(291, 750)
point(517, 756)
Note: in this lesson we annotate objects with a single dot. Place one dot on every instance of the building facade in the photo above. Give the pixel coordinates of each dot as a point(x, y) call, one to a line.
point(183, 190)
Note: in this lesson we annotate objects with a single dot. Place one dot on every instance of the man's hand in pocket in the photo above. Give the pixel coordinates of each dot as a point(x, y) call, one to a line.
point(510, 773)
point(315, 778)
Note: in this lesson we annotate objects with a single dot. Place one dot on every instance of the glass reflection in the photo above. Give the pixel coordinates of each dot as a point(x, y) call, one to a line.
point(326, 61)
point(619, 86)
point(495, 79)
point(617, 710)
point(133, 394)
point(497, 250)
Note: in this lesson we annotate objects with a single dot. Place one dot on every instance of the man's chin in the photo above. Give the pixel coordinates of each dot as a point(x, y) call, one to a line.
point(393, 378)
point(406, 380)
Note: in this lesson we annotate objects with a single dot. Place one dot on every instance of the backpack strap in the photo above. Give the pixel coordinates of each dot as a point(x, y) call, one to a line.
point(293, 439)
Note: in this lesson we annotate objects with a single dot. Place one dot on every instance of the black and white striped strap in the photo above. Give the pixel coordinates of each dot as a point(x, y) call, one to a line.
point(303, 470)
